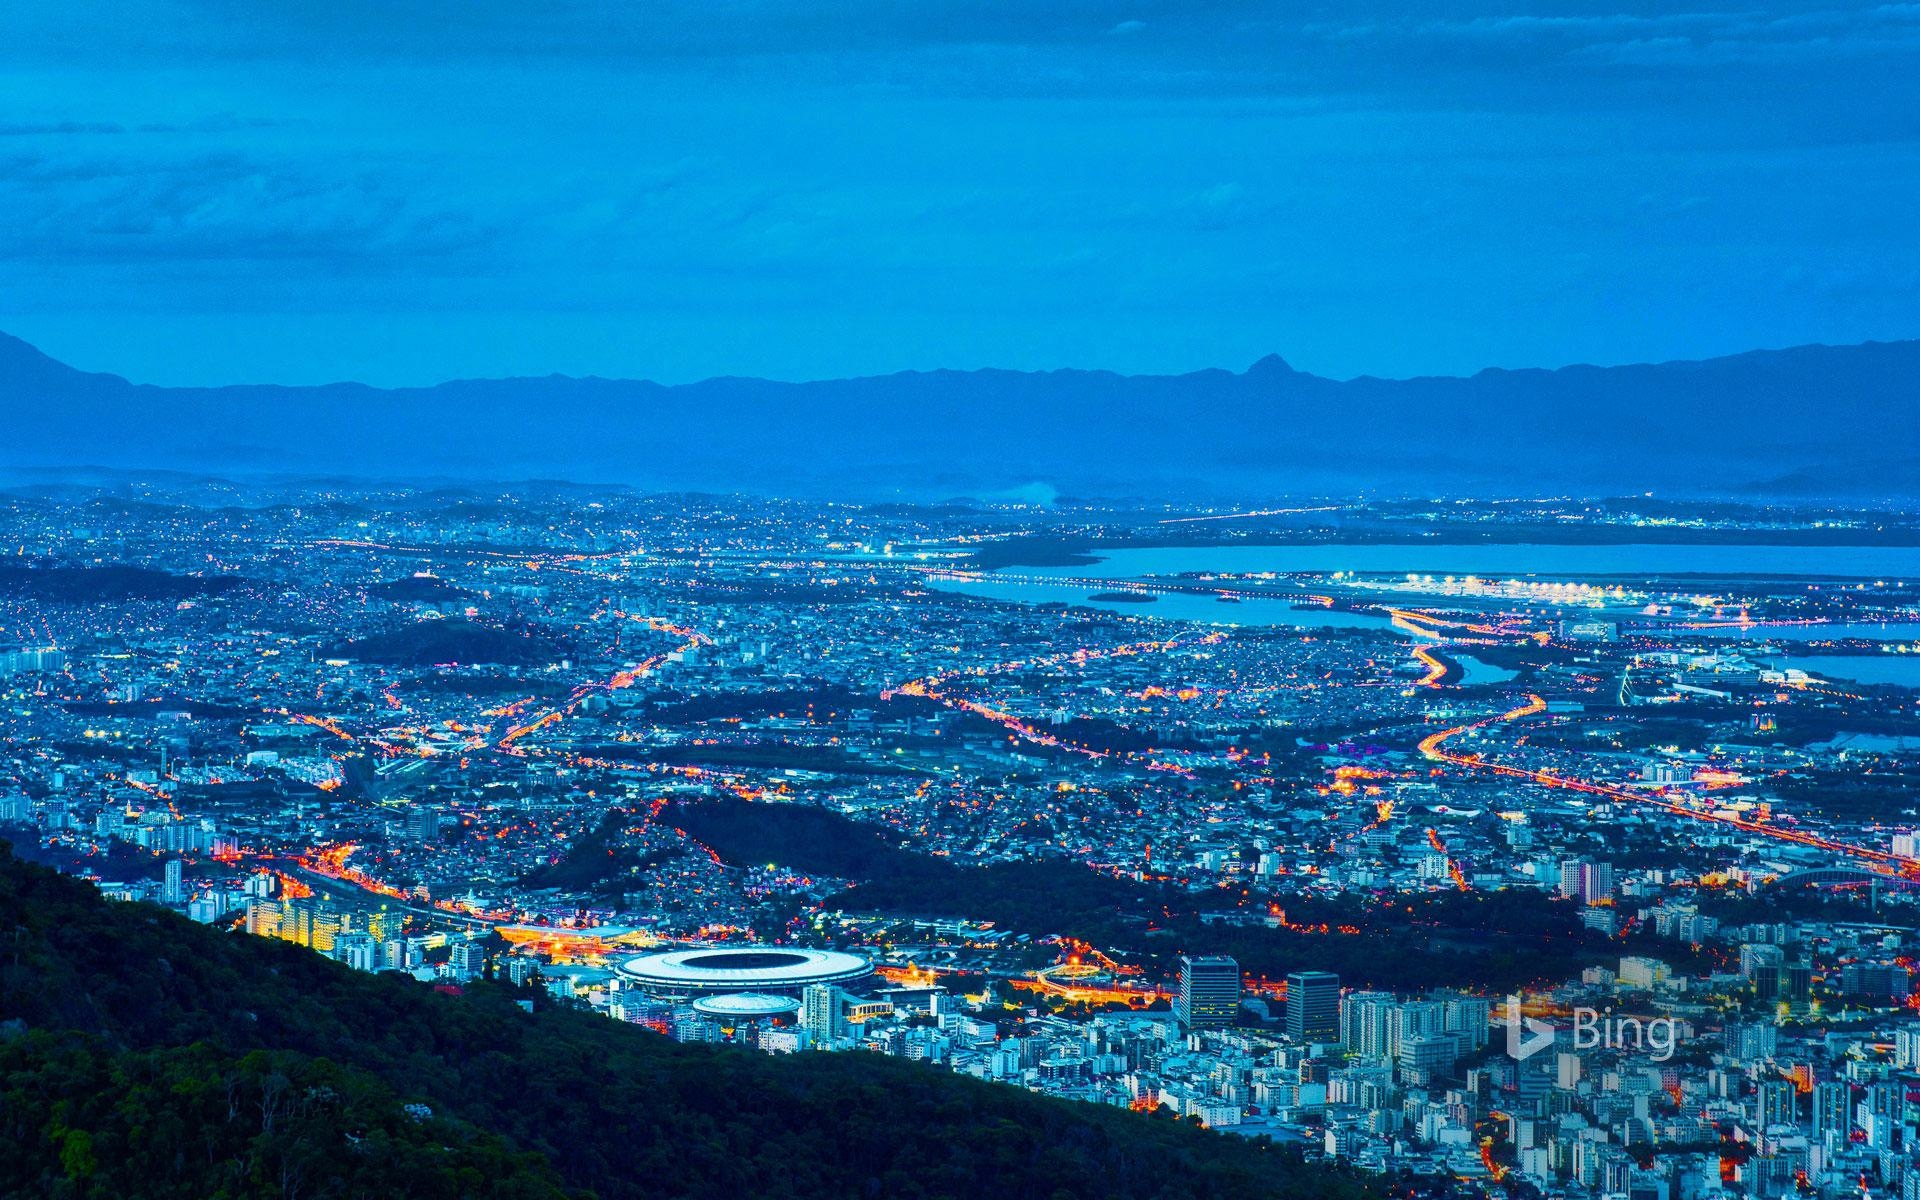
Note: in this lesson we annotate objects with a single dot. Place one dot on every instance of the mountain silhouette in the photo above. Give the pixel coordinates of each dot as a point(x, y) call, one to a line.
point(1833, 420)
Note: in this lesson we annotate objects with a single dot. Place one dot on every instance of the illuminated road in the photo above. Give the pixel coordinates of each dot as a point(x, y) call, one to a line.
point(1453, 868)
point(931, 688)
point(620, 679)
point(311, 871)
point(1436, 670)
point(1434, 747)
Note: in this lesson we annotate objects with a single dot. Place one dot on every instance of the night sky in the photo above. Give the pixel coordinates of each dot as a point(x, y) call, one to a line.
point(299, 191)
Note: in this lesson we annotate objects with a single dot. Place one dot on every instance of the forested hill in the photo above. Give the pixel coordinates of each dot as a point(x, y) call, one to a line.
point(142, 1054)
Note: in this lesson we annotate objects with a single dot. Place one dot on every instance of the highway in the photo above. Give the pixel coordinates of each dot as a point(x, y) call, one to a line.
point(1434, 748)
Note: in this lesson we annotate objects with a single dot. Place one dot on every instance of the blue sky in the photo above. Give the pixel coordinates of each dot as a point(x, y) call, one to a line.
point(203, 191)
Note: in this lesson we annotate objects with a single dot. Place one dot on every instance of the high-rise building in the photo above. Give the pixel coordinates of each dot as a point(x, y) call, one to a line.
point(1796, 983)
point(381, 922)
point(1210, 992)
point(1585, 880)
point(311, 923)
point(1774, 1104)
point(174, 889)
point(1469, 1018)
point(1832, 1110)
point(358, 950)
point(1566, 1069)
point(1906, 1049)
point(1755, 955)
point(1875, 983)
point(823, 1013)
point(264, 917)
point(1421, 1060)
point(423, 824)
point(1879, 1114)
point(468, 958)
point(1364, 1028)
point(1415, 1019)
point(1752, 1041)
point(1313, 1007)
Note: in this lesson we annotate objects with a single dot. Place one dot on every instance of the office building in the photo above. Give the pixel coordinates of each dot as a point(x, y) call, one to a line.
point(1313, 1007)
point(1210, 992)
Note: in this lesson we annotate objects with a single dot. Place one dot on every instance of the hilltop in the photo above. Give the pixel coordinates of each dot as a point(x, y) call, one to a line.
point(258, 1068)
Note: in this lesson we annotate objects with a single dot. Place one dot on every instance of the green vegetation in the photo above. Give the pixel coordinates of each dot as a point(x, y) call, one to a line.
point(426, 643)
point(1886, 790)
point(1493, 940)
point(133, 1028)
point(84, 1120)
point(1034, 552)
point(765, 756)
point(92, 585)
point(597, 862)
point(426, 589)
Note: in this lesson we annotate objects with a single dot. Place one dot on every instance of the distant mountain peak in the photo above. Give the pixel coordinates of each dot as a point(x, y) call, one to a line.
point(22, 363)
point(983, 432)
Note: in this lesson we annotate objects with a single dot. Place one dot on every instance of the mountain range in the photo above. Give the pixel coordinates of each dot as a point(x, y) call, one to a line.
point(1814, 421)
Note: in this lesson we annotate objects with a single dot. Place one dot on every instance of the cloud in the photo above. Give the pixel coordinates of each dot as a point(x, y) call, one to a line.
point(1005, 178)
point(58, 128)
point(223, 123)
point(1614, 24)
point(222, 207)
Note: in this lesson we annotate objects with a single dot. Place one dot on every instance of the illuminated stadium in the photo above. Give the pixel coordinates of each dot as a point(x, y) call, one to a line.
point(740, 969)
point(747, 1006)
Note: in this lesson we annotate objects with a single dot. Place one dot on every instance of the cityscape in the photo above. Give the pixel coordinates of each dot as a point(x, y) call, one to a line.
point(959, 600)
point(1584, 869)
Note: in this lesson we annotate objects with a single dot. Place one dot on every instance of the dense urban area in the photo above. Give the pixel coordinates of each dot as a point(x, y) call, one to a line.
point(1536, 847)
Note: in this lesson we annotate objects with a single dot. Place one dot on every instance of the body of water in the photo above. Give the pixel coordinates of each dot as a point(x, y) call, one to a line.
point(1901, 670)
point(1475, 671)
point(1876, 631)
point(1502, 562)
point(1077, 584)
point(1175, 606)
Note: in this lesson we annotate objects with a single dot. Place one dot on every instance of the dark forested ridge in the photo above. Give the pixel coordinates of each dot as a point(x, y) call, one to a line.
point(425, 643)
point(56, 584)
point(1493, 940)
point(145, 1055)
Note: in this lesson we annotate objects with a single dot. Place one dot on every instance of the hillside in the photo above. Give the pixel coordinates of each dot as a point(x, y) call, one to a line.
point(1496, 940)
point(144, 1054)
point(426, 643)
point(1726, 425)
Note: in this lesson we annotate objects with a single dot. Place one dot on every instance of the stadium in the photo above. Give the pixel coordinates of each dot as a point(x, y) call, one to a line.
point(718, 969)
point(747, 1006)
